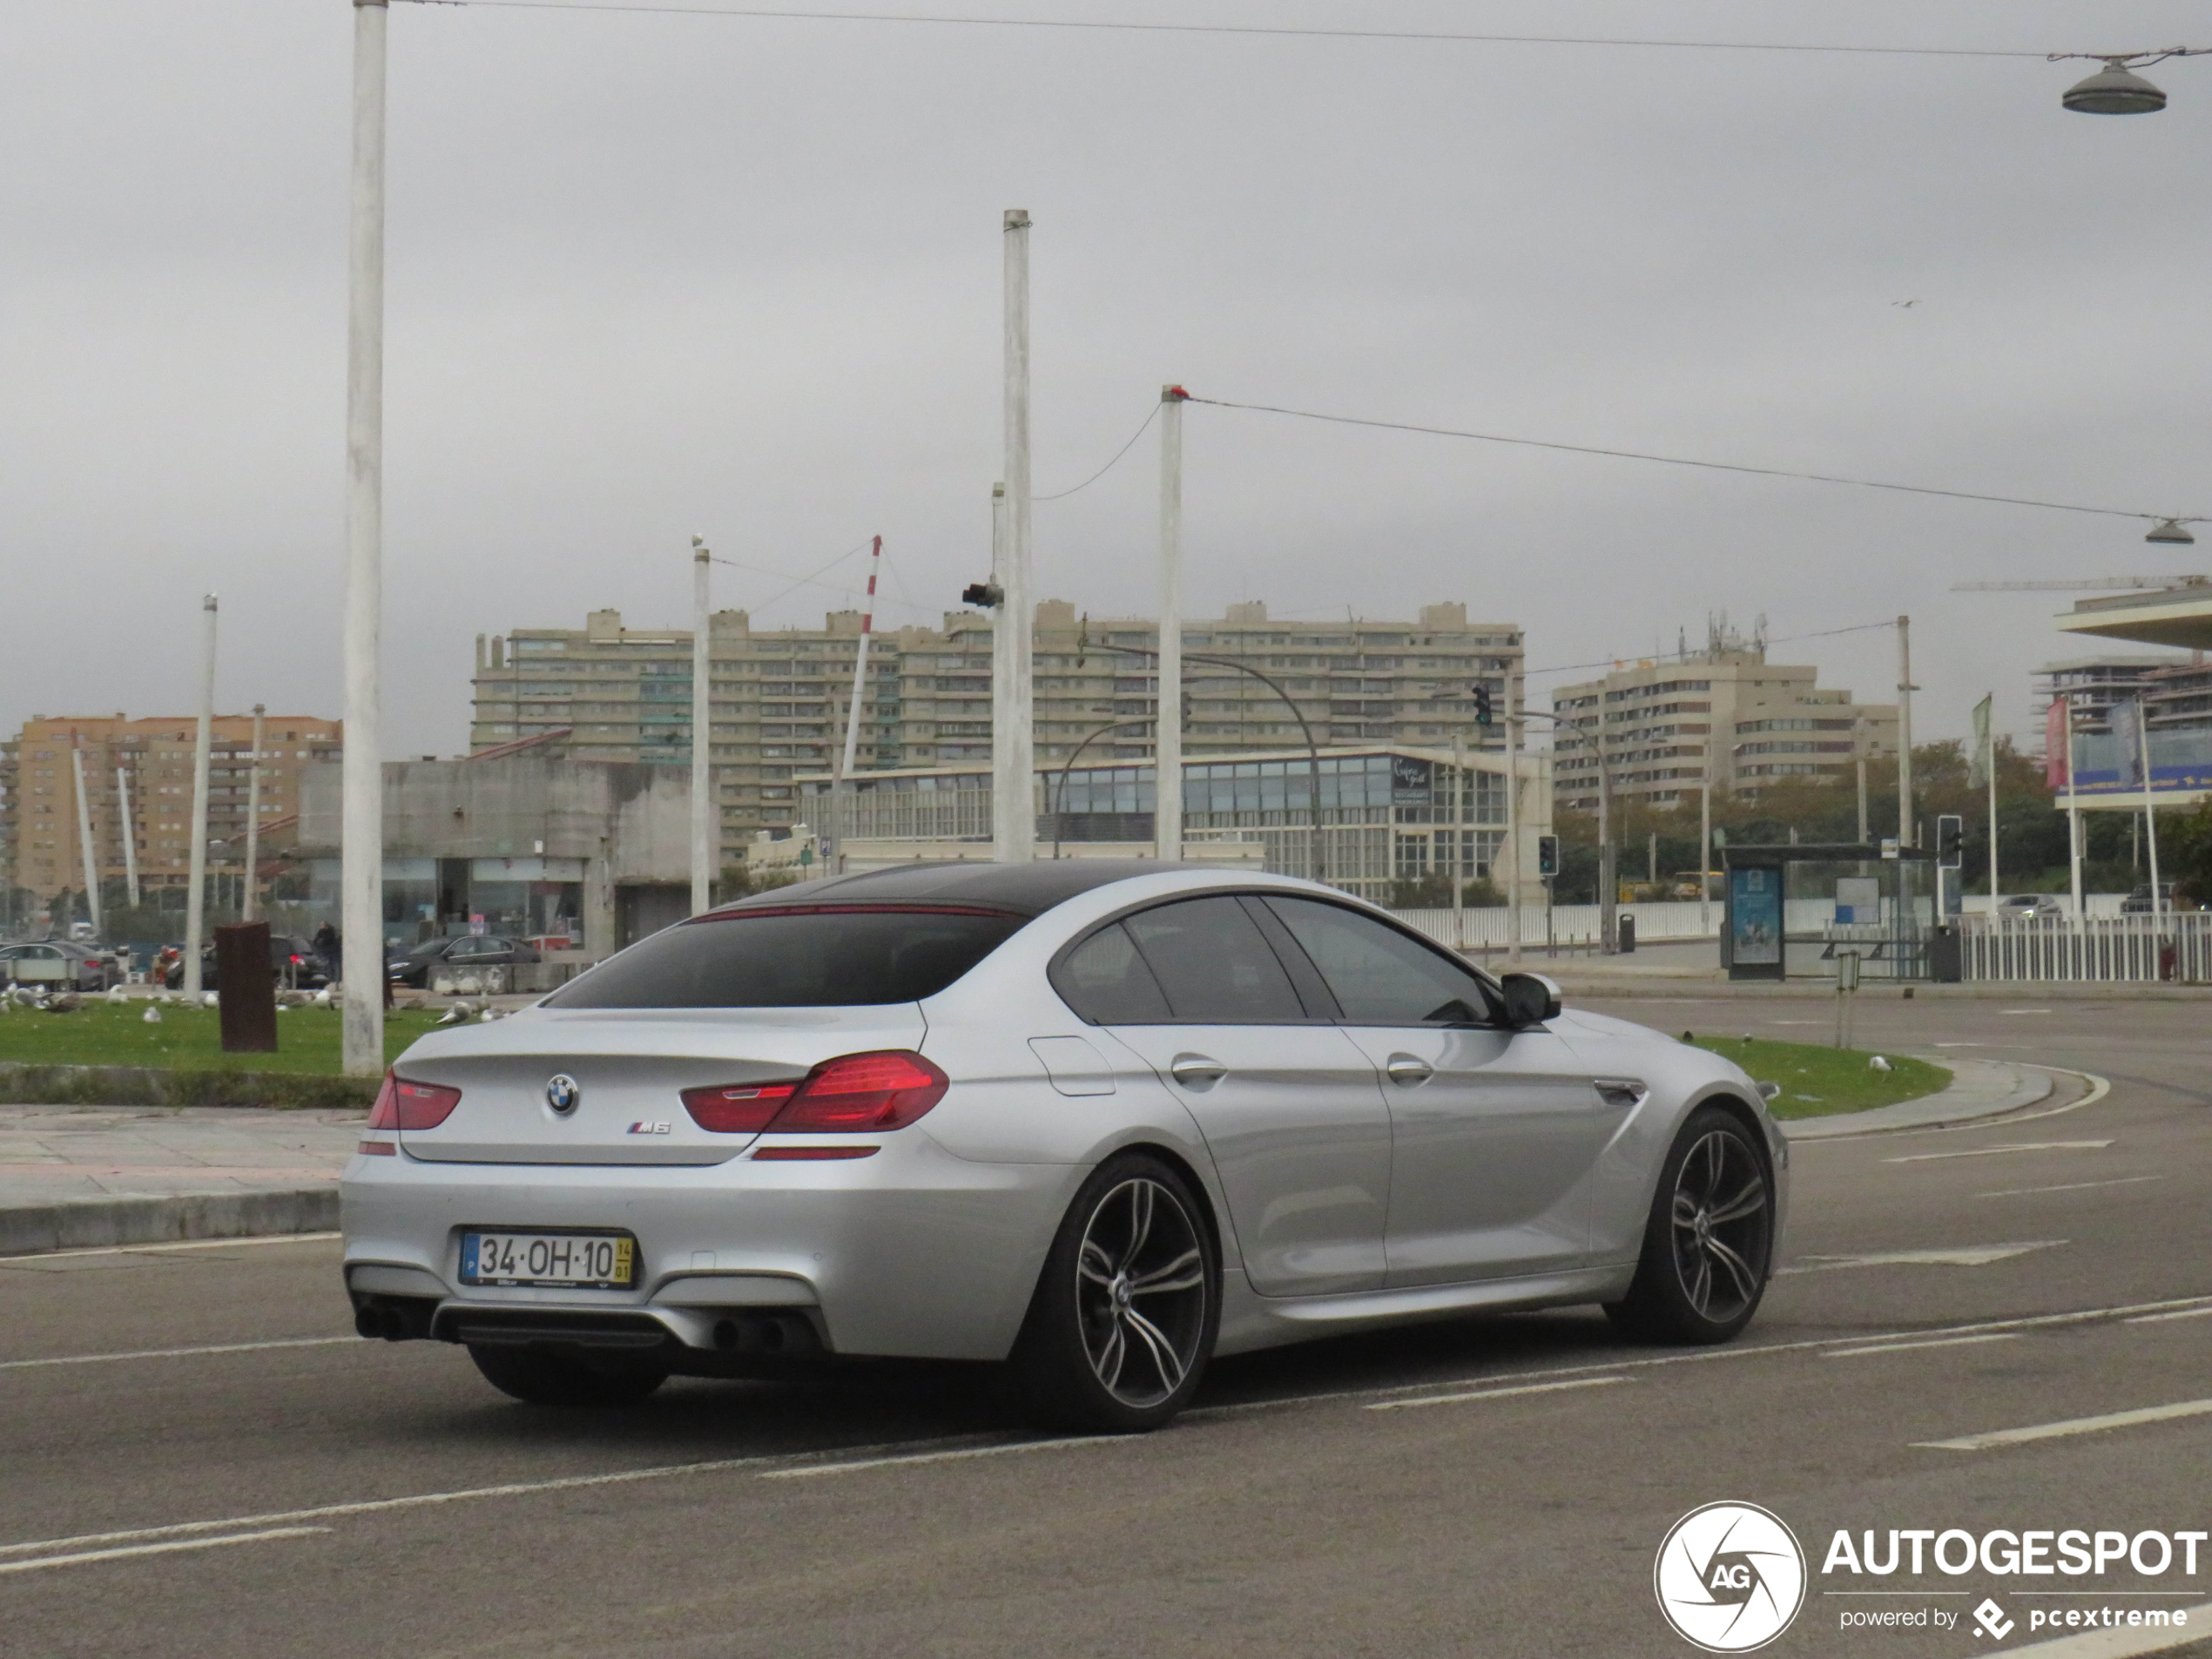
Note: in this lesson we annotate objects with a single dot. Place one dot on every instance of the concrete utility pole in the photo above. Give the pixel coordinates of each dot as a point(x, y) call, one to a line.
point(1013, 739)
point(1864, 827)
point(1990, 760)
point(1167, 725)
point(196, 895)
point(247, 904)
point(84, 834)
point(1512, 825)
point(1905, 689)
point(841, 787)
point(130, 833)
point(1705, 835)
point(362, 831)
point(2072, 816)
point(2150, 808)
point(1609, 889)
point(1457, 864)
point(703, 814)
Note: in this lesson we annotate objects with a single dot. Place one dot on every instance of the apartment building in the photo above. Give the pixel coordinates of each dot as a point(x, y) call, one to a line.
point(1660, 720)
point(779, 698)
point(137, 780)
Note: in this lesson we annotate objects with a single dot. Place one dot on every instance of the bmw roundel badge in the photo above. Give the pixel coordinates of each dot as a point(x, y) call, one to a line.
point(563, 1092)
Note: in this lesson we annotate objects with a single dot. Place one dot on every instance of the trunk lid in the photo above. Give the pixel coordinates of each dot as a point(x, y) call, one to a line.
point(629, 1069)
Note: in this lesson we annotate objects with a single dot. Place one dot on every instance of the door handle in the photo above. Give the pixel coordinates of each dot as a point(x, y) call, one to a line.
point(1407, 1072)
point(1197, 1071)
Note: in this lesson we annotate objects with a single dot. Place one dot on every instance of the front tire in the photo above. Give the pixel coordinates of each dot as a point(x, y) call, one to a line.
point(538, 1378)
point(1710, 1242)
point(1126, 1309)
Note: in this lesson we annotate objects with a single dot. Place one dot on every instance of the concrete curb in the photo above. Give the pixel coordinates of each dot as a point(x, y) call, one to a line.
point(1978, 1088)
point(43, 1085)
point(90, 1224)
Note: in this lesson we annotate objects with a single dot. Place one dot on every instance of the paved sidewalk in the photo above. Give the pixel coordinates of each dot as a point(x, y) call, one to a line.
point(73, 1176)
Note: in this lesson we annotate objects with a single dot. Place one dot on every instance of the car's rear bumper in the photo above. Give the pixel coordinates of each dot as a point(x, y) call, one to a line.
point(909, 1251)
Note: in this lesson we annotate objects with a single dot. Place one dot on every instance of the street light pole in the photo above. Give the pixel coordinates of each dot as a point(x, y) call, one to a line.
point(1904, 689)
point(1705, 832)
point(130, 833)
point(703, 812)
point(1167, 730)
point(196, 896)
point(1013, 739)
point(245, 905)
point(85, 835)
point(361, 837)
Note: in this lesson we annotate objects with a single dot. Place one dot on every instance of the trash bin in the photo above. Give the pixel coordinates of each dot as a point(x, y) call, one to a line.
point(1947, 956)
point(1628, 935)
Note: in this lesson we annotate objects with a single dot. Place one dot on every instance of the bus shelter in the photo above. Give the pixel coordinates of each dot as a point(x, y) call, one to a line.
point(1792, 911)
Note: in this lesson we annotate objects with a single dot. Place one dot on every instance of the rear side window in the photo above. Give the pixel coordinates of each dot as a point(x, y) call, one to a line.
point(1379, 976)
point(1215, 965)
point(793, 959)
point(1106, 981)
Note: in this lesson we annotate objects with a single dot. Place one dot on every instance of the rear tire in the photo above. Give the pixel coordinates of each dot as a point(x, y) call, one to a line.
point(1710, 1242)
point(542, 1378)
point(1127, 1308)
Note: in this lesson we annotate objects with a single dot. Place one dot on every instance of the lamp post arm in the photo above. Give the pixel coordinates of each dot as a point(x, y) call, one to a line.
point(1312, 749)
point(1059, 796)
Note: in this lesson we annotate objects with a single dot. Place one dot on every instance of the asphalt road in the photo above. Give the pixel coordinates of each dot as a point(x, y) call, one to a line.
point(1489, 1487)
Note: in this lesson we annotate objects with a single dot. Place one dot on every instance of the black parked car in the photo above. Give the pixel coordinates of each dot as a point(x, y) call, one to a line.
point(486, 958)
point(2138, 903)
point(293, 961)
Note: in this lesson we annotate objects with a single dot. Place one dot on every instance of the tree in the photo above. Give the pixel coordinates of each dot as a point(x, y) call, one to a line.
point(2185, 854)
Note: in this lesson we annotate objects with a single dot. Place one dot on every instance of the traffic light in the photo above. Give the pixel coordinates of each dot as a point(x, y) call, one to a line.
point(1950, 835)
point(1482, 707)
point(1547, 855)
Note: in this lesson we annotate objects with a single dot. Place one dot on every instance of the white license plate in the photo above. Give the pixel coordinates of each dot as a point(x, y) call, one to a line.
point(595, 1261)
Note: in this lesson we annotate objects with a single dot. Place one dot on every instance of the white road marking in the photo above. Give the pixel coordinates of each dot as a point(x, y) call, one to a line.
point(178, 1353)
point(2099, 1087)
point(2009, 1146)
point(377, 1505)
point(2123, 1644)
point(1951, 1256)
point(807, 1471)
point(83, 1557)
point(2070, 1186)
point(1904, 1347)
point(2023, 1010)
point(1492, 1393)
point(178, 1244)
point(2179, 1313)
point(1963, 1045)
point(2070, 1426)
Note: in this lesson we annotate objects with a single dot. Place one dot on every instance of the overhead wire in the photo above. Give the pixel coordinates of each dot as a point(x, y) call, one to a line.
point(1686, 461)
point(1271, 31)
point(1062, 494)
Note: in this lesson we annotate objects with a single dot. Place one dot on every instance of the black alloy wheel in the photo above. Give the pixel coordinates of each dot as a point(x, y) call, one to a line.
point(1125, 1313)
point(1709, 1243)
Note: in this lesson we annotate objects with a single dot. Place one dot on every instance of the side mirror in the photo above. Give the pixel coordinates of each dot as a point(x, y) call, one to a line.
point(1530, 999)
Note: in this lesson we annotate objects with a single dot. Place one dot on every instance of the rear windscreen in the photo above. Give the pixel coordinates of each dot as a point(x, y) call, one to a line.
point(791, 960)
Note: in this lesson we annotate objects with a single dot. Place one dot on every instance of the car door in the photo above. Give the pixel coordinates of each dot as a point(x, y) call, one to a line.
point(1495, 1131)
point(1288, 1106)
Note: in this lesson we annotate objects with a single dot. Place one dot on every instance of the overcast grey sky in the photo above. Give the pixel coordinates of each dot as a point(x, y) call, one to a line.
point(655, 275)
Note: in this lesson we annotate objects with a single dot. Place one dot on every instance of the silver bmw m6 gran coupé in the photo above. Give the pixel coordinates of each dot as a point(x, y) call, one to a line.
point(1098, 1119)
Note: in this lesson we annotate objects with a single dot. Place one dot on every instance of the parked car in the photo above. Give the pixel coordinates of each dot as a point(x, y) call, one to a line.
point(1098, 1119)
point(2137, 903)
point(2029, 905)
point(59, 963)
point(487, 958)
point(293, 961)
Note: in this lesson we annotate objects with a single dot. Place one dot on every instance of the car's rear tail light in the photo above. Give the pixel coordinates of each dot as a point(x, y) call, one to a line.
point(856, 1094)
point(403, 1105)
point(742, 1108)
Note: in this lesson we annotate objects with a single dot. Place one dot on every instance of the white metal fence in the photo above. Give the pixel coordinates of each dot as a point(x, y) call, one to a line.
point(1572, 926)
point(2175, 946)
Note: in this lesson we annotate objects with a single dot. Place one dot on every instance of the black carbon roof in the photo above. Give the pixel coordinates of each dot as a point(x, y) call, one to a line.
point(1025, 889)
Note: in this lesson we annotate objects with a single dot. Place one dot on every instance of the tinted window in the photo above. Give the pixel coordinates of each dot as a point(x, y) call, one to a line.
point(1106, 981)
point(1379, 976)
point(1214, 964)
point(789, 959)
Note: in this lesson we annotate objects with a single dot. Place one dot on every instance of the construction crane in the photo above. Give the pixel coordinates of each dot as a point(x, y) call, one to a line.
point(2087, 584)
